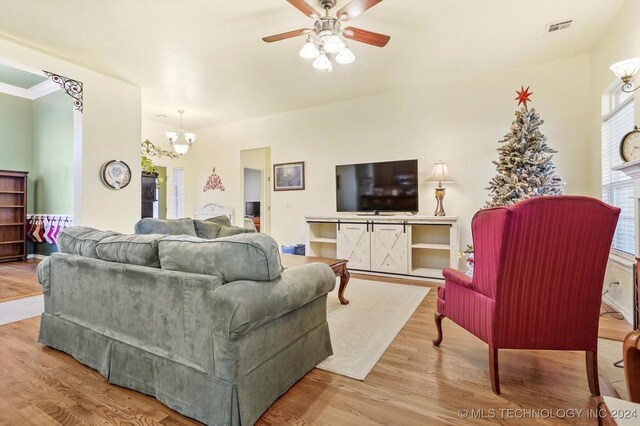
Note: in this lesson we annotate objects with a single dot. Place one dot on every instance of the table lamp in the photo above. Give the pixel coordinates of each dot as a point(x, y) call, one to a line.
point(440, 174)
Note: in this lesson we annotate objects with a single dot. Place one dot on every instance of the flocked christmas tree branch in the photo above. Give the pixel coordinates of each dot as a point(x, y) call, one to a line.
point(525, 168)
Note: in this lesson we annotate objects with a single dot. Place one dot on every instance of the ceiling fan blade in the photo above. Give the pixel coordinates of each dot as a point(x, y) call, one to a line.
point(305, 8)
point(355, 8)
point(364, 36)
point(284, 36)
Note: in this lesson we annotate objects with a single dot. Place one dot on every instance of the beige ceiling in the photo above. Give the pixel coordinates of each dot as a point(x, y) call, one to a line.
point(207, 57)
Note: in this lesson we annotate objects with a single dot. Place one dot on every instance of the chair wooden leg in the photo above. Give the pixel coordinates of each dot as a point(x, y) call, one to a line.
point(493, 370)
point(438, 317)
point(592, 372)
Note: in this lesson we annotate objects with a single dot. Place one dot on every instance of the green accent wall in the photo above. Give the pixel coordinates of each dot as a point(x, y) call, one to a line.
point(53, 153)
point(20, 78)
point(16, 138)
point(37, 136)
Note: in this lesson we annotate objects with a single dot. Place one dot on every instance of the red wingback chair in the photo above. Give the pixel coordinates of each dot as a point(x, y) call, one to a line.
point(537, 284)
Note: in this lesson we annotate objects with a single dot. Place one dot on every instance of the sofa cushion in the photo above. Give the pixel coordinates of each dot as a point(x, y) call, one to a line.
point(139, 250)
point(221, 220)
point(240, 257)
point(150, 225)
point(207, 230)
point(228, 231)
point(82, 240)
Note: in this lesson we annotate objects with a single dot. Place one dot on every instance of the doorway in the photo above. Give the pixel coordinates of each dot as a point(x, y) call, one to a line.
point(160, 205)
point(255, 171)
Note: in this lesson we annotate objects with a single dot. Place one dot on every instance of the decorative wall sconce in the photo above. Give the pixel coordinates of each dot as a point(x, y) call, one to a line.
point(625, 70)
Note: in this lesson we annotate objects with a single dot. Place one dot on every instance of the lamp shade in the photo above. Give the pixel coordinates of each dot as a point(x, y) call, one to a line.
point(626, 68)
point(440, 173)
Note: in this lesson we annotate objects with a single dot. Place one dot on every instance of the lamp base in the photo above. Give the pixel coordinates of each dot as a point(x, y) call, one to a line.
point(440, 192)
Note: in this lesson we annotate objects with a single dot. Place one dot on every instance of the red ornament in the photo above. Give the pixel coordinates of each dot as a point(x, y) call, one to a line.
point(523, 96)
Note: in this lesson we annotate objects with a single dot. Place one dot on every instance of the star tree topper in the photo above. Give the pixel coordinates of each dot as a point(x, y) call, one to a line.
point(523, 96)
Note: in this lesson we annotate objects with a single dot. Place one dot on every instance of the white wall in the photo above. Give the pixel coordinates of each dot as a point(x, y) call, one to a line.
point(459, 123)
point(621, 41)
point(110, 129)
point(252, 184)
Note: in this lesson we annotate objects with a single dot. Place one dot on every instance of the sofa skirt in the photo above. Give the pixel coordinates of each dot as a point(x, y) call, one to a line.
point(190, 391)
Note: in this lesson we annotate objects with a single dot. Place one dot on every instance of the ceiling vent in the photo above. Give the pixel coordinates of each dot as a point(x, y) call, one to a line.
point(558, 26)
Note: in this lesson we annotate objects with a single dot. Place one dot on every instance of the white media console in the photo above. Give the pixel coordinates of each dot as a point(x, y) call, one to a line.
point(417, 246)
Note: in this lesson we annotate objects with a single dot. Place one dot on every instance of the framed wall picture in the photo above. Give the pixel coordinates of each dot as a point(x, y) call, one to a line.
point(288, 176)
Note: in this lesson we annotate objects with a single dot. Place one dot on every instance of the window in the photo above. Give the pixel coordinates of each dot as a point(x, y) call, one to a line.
point(617, 188)
point(177, 193)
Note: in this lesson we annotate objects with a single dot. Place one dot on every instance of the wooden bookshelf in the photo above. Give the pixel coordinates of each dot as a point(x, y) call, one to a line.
point(13, 215)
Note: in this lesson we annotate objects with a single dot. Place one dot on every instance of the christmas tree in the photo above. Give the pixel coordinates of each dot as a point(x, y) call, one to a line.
point(524, 165)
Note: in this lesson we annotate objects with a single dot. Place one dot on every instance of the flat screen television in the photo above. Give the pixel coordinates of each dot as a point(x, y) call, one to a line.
point(252, 208)
point(390, 186)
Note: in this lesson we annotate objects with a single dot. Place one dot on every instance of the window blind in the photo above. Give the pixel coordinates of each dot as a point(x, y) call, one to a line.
point(617, 188)
point(177, 192)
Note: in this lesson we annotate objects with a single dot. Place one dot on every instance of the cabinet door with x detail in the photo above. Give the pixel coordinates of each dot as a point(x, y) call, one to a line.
point(389, 248)
point(354, 244)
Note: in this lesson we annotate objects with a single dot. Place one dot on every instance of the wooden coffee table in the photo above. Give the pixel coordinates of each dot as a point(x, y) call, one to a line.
point(339, 267)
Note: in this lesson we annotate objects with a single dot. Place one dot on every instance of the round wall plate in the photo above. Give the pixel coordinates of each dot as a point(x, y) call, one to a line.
point(115, 174)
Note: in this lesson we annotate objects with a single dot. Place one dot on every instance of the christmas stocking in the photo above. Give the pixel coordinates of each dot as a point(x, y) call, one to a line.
point(37, 237)
point(29, 228)
point(50, 229)
point(56, 231)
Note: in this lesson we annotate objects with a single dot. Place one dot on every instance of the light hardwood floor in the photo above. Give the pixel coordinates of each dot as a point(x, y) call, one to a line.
point(17, 280)
point(413, 383)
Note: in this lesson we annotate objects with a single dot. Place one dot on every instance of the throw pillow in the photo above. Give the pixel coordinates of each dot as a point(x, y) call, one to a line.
point(82, 240)
point(165, 226)
point(242, 257)
point(207, 230)
point(221, 220)
point(228, 231)
point(139, 250)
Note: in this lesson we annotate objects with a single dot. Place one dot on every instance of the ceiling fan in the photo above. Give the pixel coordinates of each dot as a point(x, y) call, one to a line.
point(327, 35)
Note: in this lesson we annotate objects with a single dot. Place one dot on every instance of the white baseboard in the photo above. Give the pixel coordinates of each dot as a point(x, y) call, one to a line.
point(626, 313)
point(36, 256)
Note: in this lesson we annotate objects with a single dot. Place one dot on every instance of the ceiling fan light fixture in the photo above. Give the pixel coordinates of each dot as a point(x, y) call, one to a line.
point(333, 44)
point(326, 39)
point(345, 57)
point(309, 50)
point(322, 62)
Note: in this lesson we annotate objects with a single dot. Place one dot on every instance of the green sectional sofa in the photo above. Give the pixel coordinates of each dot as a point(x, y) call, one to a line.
point(213, 328)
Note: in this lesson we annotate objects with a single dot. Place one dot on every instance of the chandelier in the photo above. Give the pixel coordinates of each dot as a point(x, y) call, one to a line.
point(181, 141)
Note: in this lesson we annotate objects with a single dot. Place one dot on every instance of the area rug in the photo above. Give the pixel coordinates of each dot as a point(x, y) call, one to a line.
point(363, 330)
point(19, 309)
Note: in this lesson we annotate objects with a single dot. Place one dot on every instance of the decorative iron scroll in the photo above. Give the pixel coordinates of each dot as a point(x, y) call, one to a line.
point(148, 148)
point(71, 86)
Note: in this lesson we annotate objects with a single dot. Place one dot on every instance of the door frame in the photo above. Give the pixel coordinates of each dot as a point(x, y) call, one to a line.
point(265, 202)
